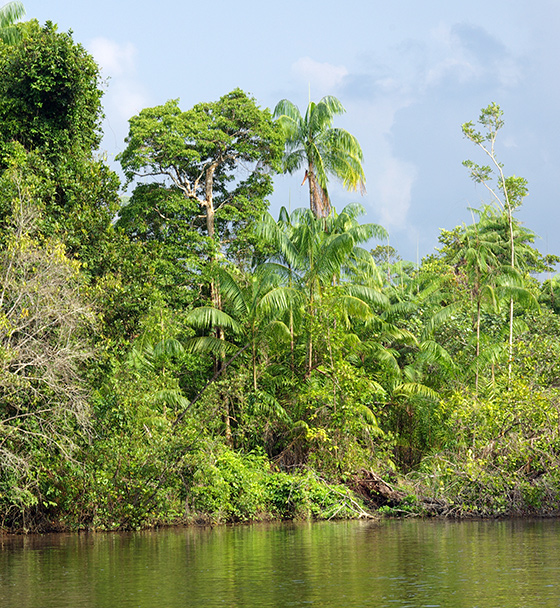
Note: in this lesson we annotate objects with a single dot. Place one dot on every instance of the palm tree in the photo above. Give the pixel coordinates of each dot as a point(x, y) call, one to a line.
point(252, 307)
point(313, 143)
point(9, 14)
point(315, 254)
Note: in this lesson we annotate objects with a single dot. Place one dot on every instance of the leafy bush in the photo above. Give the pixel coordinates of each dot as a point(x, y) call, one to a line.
point(502, 454)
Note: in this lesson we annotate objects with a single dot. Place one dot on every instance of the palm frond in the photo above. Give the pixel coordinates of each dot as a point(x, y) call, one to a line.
point(369, 417)
point(415, 389)
point(169, 347)
point(333, 256)
point(371, 295)
point(279, 300)
point(10, 13)
point(230, 289)
point(355, 307)
point(278, 331)
point(265, 405)
point(441, 316)
point(433, 353)
point(170, 398)
point(206, 317)
point(210, 345)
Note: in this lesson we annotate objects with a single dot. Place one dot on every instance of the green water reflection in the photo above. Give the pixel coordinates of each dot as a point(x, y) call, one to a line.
point(344, 564)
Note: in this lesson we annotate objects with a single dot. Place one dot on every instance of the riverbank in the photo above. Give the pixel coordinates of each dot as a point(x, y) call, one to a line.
point(277, 496)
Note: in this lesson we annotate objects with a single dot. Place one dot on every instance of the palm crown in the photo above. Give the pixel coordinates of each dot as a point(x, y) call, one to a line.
point(313, 143)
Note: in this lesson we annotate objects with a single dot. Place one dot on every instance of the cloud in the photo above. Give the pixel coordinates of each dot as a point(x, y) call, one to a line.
point(440, 70)
point(323, 76)
point(393, 187)
point(115, 60)
point(127, 98)
point(125, 94)
point(468, 55)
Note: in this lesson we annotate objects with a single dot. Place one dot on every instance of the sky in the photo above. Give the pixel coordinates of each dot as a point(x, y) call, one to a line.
point(408, 73)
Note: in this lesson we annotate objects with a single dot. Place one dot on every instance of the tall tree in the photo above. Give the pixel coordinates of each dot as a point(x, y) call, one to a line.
point(9, 14)
point(202, 153)
point(480, 257)
point(312, 142)
point(50, 105)
point(507, 192)
point(212, 164)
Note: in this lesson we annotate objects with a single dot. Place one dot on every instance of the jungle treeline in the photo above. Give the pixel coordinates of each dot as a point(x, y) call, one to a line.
point(181, 355)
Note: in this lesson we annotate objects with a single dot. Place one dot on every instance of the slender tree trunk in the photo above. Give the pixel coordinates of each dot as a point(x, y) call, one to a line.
point(512, 254)
point(227, 417)
point(254, 360)
point(310, 336)
point(477, 343)
point(292, 336)
point(215, 294)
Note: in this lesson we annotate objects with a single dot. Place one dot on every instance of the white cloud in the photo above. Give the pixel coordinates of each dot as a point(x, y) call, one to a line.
point(125, 94)
point(126, 98)
point(114, 59)
point(393, 196)
point(469, 54)
point(323, 76)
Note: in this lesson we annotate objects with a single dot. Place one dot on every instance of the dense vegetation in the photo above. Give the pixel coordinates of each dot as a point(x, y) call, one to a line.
point(182, 355)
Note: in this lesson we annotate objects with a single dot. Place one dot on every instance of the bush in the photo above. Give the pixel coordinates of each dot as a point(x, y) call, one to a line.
point(502, 454)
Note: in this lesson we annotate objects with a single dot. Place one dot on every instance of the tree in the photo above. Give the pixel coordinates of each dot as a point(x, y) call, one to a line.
point(213, 164)
point(50, 105)
point(480, 257)
point(50, 99)
point(9, 14)
point(202, 154)
point(44, 340)
point(507, 192)
point(251, 317)
point(255, 308)
point(313, 143)
point(314, 253)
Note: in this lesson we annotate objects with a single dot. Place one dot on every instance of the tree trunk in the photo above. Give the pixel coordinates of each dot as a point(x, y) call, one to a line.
point(318, 196)
point(254, 360)
point(477, 344)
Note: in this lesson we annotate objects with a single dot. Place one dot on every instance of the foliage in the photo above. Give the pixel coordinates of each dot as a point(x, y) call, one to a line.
point(9, 14)
point(44, 325)
point(213, 162)
point(312, 142)
point(50, 100)
point(501, 455)
point(197, 360)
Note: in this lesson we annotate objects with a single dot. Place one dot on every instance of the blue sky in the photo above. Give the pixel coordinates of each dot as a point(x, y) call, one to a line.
point(409, 74)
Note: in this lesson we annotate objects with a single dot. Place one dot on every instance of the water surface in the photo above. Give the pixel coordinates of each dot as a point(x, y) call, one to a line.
point(497, 564)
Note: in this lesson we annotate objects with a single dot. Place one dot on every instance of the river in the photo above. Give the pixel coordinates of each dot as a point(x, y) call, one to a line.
point(412, 563)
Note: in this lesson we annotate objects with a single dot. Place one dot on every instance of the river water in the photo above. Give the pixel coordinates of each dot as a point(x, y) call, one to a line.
point(412, 563)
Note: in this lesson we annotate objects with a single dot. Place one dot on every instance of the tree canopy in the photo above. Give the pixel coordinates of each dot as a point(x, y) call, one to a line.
point(218, 155)
point(50, 98)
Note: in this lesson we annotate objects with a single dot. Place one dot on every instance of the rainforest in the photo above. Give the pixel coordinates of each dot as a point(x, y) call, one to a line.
point(178, 354)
